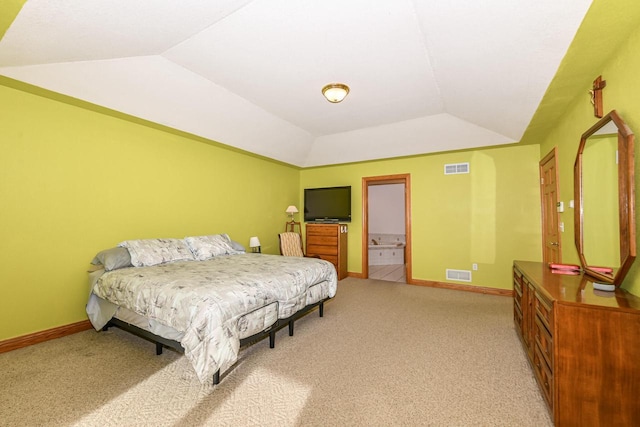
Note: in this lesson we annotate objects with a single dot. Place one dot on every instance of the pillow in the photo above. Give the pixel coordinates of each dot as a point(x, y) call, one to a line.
point(113, 259)
point(148, 252)
point(235, 245)
point(206, 247)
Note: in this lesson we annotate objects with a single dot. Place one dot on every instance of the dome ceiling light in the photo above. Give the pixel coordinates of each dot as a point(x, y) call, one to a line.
point(335, 92)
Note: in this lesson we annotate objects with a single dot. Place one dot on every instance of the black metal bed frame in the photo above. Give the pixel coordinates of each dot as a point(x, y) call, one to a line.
point(161, 342)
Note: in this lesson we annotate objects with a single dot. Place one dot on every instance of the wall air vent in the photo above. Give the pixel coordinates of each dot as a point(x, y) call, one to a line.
point(459, 275)
point(456, 168)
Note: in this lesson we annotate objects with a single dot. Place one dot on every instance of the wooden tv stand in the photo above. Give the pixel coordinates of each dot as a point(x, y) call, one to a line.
point(583, 345)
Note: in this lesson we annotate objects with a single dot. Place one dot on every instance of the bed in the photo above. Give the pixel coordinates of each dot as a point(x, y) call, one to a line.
point(204, 295)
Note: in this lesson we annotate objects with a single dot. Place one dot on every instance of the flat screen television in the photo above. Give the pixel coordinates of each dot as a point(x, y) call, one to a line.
point(331, 204)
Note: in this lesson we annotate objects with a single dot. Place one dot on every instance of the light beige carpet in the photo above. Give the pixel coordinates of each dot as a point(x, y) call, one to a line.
point(384, 354)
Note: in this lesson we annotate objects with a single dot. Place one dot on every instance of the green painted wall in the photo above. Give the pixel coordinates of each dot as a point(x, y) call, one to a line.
point(623, 84)
point(75, 181)
point(489, 217)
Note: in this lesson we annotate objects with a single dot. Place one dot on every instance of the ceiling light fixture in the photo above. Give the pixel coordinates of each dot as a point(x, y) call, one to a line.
point(335, 92)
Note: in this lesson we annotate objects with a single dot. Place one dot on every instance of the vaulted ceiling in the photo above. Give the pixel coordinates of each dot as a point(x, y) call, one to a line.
point(425, 75)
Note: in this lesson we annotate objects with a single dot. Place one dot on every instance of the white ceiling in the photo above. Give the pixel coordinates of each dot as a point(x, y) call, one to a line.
point(425, 75)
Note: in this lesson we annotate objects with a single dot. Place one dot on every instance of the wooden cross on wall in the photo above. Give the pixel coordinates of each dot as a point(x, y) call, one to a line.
point(596, 96)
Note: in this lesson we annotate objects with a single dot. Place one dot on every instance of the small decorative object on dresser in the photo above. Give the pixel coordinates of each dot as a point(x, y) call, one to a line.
point(329, 241)
point(583, 345)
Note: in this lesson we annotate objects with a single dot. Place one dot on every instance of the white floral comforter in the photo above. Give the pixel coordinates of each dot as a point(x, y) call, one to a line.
point(204, 299)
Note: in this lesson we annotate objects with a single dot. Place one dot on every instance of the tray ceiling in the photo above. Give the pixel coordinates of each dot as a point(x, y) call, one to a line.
point(425, 75)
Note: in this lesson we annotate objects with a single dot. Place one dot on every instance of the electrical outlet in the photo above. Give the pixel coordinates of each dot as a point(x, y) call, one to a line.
point(474, 266)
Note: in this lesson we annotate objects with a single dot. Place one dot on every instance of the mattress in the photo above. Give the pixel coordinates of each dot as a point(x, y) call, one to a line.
point(210, 305)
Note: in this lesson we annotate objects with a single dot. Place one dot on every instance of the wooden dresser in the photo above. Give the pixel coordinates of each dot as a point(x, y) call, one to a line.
point(329, 241)
point(583, 345)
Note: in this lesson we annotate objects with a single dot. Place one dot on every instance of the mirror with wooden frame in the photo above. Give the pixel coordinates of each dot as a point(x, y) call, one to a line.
point(604, 188)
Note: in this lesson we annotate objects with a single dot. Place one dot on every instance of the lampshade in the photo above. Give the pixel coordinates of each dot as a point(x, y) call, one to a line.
point(335, 92)
point(254, 242)
point(291, 210)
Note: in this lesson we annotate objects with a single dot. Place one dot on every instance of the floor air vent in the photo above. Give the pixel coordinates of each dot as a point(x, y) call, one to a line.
point(459, 275)
point(456, 168)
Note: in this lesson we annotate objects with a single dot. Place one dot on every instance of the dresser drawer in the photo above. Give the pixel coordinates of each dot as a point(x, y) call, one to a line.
point(517, 275)
point(321, 231)
point(517, 288)
point(544, 311)
point(322, 240)
point(544, 375)
point(517, 299)
point(517, 318)
point(544, 341)
point(321, 250)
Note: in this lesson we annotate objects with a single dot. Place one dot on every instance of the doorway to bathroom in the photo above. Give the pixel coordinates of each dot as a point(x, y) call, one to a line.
point(386, 228)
